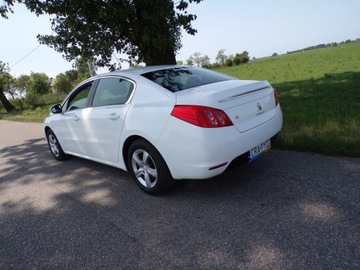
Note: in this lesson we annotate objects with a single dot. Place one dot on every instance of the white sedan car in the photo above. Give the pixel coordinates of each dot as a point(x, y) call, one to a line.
point(165, 123)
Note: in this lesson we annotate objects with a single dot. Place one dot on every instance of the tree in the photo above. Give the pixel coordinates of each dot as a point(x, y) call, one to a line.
point(86, 66)
point(244, 57)
point(241, 58)
point(190, 62)
point(9, 86)
point(228, 62)
point(196, 58)
point(21, 85)
point(237, 59)
point(221, 57)
point(62, 84)
point(37, 87)
point(38, 83)
point(13, 90)
point(72, 75)
point(147, 31)
point(204, 60)
point(5, 80)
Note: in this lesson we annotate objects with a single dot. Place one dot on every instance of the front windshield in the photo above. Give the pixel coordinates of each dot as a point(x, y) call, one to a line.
point(181, 78)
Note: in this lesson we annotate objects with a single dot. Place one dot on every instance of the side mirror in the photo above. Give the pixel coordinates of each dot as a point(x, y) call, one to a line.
point(56, 109)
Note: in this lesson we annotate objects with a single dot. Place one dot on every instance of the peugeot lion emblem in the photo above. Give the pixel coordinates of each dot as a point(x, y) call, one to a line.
point(259, 107)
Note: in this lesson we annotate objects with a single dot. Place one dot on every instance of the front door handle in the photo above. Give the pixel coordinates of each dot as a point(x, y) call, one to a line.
point(76, 118)
point(113, 116)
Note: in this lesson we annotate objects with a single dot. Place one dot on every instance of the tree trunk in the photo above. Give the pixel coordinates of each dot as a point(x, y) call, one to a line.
point(21, 105)
point(156, 36)
point(160, 58)
point(7, 105)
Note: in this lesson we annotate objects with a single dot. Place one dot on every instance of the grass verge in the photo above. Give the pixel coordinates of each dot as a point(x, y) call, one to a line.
point(322, 115)
point(319, 94)
point(37, 114)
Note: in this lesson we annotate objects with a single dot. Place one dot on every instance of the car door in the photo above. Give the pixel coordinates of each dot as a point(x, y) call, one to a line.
point(105, 118)
point(68, 126)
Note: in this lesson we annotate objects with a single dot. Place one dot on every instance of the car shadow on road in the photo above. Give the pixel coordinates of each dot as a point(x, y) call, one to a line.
point(287, 210)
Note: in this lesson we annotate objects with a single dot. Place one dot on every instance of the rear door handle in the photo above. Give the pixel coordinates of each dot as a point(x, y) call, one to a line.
point(113, 116)
point(76, 118)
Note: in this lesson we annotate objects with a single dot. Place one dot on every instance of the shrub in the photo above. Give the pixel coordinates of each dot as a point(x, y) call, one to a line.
point(228, 62)
point(237, 60)
point(32, 99)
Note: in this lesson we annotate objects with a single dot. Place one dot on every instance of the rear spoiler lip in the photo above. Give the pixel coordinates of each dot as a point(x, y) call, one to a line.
point(242, 94)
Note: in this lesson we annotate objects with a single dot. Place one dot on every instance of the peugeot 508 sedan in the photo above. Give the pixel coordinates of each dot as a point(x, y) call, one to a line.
point(165, 123)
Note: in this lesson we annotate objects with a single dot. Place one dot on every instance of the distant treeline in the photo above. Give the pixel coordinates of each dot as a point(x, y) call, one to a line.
point(320, 46)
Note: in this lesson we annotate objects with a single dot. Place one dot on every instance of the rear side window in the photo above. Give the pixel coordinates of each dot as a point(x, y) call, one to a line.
point(112, 91)
point(177, 79)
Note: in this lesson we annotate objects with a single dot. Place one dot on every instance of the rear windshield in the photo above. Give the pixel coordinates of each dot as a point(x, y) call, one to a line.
point(177, 79)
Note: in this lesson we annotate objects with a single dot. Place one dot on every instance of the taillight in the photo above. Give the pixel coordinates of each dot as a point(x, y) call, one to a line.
point(276, 97)
point(201, 116)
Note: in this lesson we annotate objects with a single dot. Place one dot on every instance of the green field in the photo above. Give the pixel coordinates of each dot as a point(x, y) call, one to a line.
point(319, 92)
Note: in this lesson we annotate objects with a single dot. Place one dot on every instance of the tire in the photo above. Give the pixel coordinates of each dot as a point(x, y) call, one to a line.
point(148, 168)
point(54, 146)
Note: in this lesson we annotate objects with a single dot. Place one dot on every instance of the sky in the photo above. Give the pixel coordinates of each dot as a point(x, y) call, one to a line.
point(261, 27)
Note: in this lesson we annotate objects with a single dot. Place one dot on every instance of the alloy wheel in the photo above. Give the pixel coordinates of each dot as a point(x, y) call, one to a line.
point(144, 168)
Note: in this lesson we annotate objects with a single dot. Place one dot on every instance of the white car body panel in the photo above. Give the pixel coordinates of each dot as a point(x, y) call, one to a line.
point(102, 128)
point(149, 112)
point(68, 128)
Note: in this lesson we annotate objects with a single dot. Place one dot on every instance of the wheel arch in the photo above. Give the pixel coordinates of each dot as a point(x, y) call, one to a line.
point(127, 144)
point(126, 147)
point(46, 129)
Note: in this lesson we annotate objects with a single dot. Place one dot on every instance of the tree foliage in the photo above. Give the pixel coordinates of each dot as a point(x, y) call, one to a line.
point(65, 82)
point(198, 59)
point(221, 57)
point(229, 62)
point(22, 83)
point(239, 58)
point(85, 66)
point(62, 84)
point(147, 31)
point(189, 62)
point(8, 84)
point(20, 87)
point(37, 86)
point(244, 57)
point(5, 81)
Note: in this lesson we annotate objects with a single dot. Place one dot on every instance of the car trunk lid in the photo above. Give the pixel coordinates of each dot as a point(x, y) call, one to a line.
point(247, 103)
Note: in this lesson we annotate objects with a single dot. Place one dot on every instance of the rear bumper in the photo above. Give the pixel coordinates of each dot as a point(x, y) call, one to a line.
point(244, 158)
point(199, 153)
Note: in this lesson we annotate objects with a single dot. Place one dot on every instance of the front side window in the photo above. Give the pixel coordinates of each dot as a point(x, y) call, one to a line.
point(181, 78)
point(112, 91)
point(79, 99)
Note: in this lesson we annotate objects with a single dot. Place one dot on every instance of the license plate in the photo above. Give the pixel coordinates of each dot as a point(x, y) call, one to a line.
point(257, 151)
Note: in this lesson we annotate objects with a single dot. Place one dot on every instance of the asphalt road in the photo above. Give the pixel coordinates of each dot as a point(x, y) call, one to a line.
point(287, 210)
